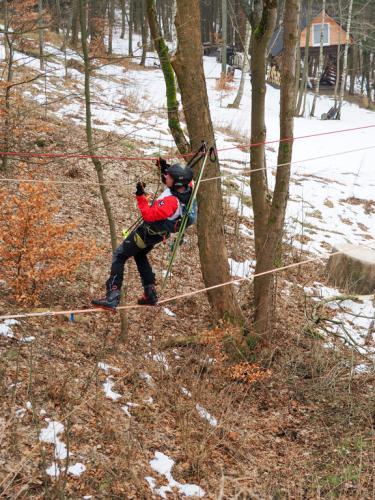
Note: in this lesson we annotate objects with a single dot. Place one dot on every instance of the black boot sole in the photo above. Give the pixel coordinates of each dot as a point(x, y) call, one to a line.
point(105, 308)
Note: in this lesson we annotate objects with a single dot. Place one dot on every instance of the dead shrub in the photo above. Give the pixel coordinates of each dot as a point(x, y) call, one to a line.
point(223, 83)
point(35, 249)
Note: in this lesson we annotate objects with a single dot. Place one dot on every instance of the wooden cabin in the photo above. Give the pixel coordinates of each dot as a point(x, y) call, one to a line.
point(334, 36)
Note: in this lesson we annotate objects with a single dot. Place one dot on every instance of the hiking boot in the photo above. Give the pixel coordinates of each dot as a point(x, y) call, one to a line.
point(149, 298)
point(110, 301)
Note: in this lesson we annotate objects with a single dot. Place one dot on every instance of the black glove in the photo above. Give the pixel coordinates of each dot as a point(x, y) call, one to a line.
point(160, 162)
point(140, 188)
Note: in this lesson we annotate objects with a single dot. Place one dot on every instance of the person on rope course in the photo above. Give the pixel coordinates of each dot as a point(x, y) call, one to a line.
point(159, 220)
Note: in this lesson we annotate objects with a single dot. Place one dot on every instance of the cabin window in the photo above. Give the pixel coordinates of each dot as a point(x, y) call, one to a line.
point(316, 34)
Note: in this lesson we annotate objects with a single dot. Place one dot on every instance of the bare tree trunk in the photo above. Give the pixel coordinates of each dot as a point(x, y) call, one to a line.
point(123, 19)
point(275, 223)
point(111, 22)
point(188, 66)
point(41, 35)
point(338, 69)
point(96, 25)
point(9, 79)
point(57, 23)
point(320, 68)
point(166, 28)
point(6, 26)
point(169, 78)
point(303, 87)
point(245, 68)
point(345, 62)
point(131, 21)
point(224, 19)
point(90, 141)
point(144, 32)
point(353, 68)
point(173, 27)
point(263, 20)
point(75, 23)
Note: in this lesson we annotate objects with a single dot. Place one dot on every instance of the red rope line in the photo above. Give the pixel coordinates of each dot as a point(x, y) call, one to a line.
point(153, 158)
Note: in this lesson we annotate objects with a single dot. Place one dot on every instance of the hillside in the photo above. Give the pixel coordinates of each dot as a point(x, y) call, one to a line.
point(172, 410)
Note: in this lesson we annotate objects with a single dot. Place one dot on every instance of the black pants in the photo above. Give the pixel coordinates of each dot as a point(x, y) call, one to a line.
point(129, 248)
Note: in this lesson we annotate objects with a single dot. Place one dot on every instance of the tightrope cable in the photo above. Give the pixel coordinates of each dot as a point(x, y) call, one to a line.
point(169, 299)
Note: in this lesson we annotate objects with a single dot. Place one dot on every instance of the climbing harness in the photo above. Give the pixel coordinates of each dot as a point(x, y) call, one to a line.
point(185, 218)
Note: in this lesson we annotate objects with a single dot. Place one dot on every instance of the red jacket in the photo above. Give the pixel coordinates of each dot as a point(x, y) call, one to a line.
point(163, 208)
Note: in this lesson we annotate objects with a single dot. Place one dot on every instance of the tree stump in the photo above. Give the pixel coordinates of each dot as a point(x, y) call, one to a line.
point(353, 269)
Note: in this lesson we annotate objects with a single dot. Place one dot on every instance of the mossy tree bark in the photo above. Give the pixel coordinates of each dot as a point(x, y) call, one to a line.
point(188, 65)
point(169, 78)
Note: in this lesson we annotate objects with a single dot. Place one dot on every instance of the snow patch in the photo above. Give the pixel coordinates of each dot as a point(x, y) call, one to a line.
point(163, 465)
point(5, 329)
point(107, 385)
point(51, 435)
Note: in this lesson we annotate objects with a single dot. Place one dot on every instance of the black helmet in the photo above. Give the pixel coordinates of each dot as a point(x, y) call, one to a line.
point(181, 176)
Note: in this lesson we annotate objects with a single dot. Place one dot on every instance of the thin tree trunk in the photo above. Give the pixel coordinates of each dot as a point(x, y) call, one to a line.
point(75, 23)
point(131, 20)
point(353, 68)
point(5, 148)
point(166, 29)
point(96, 162)
point(123, 19)
point(169, 78)
point(58, 16)
point(298, 68)
point(263, 21)
point(303, 87)
point(41, 34)
point(338, 68)
point(6, 26)
point(224, 19)
point(144, 32)
point(345, 62)
point(111, 22)
point(320, 67)
point(368, 76)
point(173, 28)
point(96, 25)
point(245, 68)
point(275, 224)
point(188, 66)
point(90, 141)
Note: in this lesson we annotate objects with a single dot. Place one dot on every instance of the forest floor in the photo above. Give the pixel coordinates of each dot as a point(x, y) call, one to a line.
point(297, 421)
point(173, 410)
